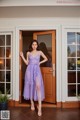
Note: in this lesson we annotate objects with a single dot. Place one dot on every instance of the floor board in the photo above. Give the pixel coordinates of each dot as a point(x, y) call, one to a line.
point(24, 113)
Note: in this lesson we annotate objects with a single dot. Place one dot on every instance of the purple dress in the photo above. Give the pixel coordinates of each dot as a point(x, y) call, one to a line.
point(33, 78)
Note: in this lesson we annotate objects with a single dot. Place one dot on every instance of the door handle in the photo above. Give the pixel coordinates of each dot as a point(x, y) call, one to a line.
point(53, 67)
point(53, 70)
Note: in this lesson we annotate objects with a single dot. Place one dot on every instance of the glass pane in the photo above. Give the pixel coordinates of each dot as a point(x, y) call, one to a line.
point(8, 52)
point(78, 38)
point(72, 77)
point(2, 63)
point(2, 76)
point(71, 38)
point(71, 90)
point(71, 50)
point(78, 50)
point(78, 76)
point(45, 44)
point(2, 40)
point(71, 64)
point(2, 52)
point(8, 73)
point(2, 87)
point(8, 39)
point(8, 64)
point(8, 88)
point(78, 63)
point(78, 90)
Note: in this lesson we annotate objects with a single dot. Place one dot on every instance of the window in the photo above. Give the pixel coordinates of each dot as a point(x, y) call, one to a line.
point(73, 63)
point(5, 63)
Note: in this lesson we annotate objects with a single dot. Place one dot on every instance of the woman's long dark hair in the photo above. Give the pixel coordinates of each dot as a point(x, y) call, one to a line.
point(30, 47)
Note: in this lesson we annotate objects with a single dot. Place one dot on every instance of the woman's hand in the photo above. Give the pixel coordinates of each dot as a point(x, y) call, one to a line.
point(21, 54)
point(23, 58)
point(45, 58)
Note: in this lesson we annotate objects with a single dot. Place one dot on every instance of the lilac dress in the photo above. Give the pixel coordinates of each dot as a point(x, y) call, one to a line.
point(33, 78)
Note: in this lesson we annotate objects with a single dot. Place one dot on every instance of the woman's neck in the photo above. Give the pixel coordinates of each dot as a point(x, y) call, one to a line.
point(34, 50)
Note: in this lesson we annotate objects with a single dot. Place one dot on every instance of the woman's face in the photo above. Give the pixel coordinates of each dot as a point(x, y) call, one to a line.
point(34, 45)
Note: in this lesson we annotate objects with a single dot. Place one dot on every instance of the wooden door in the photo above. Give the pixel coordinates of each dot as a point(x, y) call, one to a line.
point(20, 66)
point(47, 43)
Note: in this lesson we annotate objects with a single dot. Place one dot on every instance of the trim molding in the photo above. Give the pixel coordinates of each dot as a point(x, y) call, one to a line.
point(71, 104)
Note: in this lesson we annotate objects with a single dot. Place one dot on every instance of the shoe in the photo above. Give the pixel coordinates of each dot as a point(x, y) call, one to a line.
point(32, 107)
point(39, 111)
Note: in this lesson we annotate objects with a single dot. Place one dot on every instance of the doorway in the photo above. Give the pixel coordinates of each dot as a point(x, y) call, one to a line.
point(47, 43)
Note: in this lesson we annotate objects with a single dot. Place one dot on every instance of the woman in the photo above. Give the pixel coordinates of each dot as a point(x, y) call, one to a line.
point(33, 85)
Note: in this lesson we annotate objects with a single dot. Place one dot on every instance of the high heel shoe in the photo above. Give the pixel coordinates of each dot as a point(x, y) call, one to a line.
point(32, 107)
point(39, 111)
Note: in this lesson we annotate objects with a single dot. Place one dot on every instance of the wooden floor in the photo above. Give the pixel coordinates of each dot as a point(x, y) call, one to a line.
point(24, 113)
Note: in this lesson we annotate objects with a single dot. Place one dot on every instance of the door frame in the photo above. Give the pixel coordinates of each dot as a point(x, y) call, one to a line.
point(58, 58)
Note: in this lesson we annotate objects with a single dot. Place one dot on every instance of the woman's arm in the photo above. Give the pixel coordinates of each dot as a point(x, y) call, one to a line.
point(44, 57)
point(23, 58)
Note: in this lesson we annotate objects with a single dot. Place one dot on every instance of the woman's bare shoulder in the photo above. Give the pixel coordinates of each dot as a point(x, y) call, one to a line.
point(28, 53)
point(40, 52)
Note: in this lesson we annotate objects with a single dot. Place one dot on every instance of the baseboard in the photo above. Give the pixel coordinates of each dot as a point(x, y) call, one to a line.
point(11, 103)
point(71, 104)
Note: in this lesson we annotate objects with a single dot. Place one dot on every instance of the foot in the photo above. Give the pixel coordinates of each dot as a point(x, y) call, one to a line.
point(39, 111)
point(32, 107)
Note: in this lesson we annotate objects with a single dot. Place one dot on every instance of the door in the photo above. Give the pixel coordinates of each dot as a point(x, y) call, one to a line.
point(47, 44)
point(20, 66)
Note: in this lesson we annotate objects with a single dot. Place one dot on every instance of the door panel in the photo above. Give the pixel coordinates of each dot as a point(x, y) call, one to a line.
point(20, 66)
point(47, 45)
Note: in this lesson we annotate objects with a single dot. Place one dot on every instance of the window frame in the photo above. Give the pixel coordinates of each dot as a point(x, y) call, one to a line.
point(10, 70)
point(65, 30)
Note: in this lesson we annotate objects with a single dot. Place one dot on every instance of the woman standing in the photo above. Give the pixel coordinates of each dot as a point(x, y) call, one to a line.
point(33, 85)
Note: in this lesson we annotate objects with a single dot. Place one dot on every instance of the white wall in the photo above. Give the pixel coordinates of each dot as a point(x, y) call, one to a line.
point(38, 12)
point(58, 21)
point(16, 24)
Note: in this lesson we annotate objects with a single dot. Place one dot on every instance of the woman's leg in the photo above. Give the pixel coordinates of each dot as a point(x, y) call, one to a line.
point(39, 97)
point(39, 108)
point(32, 105)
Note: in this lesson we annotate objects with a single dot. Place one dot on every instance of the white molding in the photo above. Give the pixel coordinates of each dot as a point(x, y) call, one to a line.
point(8, 3)
point(71, 27)
point(58, 68)
point(17, 64)
point(6, 29)
point(64, 66)
point(46, 19)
